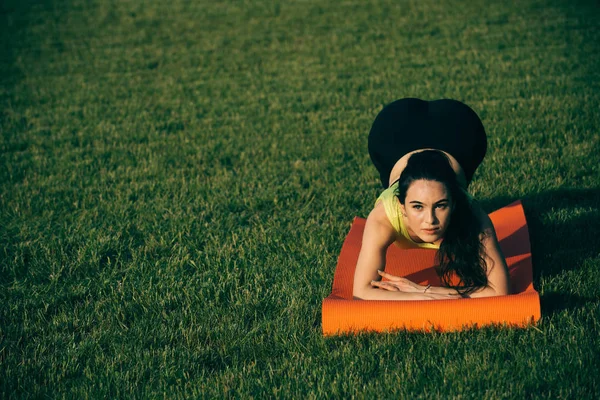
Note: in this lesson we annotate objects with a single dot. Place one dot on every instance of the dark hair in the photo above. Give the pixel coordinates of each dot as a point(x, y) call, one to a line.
point(461, 252)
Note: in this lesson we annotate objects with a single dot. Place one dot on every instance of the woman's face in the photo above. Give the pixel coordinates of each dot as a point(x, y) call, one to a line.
point(427, 210)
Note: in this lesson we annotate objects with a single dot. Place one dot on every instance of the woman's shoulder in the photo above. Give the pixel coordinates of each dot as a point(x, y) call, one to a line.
point(378, 228)
point(485, 223)
point(387, 206)
point(379, 215)
point(390, 191)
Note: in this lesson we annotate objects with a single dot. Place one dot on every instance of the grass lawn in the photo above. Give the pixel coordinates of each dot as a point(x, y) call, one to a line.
point(177, 178)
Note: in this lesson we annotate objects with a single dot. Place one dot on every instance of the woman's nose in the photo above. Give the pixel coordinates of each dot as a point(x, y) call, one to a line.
point(431, 217)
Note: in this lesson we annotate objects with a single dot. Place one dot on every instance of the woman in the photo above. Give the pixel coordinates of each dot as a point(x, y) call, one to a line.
point(426, 154)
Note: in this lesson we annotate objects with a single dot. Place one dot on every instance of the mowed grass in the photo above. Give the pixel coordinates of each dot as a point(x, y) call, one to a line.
point(177, 178)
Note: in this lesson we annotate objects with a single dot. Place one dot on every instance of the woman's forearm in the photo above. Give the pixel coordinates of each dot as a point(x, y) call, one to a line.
point(379, 294)
point(486, 291)
point(440, 290)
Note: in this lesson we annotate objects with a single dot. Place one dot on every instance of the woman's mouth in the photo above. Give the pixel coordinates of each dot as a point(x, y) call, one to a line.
point(430, 231)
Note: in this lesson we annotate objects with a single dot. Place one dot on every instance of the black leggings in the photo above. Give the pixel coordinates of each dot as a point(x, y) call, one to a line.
point(411, 124)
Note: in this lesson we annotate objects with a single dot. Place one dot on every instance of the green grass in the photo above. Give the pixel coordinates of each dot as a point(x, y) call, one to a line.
point(177, 178)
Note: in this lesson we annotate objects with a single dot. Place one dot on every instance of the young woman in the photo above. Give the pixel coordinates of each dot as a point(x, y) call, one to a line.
point(426, 153)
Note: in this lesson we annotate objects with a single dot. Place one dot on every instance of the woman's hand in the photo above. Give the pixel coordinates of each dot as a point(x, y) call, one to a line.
point(398, 283)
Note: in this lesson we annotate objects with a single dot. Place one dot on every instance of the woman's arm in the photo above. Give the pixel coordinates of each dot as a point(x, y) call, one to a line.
point(377, 237)
point(497, 271)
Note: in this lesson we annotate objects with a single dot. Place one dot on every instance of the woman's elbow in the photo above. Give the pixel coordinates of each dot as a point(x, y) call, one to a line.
point(357, 294)
point(489, 291)
point(503, 291)
point(360, 292)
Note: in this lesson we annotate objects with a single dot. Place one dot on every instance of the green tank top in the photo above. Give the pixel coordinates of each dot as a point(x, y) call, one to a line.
point(394, 214)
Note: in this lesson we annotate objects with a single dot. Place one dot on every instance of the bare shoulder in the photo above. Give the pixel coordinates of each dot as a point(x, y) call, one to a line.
point(378, 227)
point(485, 223)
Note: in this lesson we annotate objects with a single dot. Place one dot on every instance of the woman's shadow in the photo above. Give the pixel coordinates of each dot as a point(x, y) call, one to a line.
point(564, 230)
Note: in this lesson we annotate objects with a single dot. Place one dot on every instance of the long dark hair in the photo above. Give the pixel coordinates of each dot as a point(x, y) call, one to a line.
point(461, 252)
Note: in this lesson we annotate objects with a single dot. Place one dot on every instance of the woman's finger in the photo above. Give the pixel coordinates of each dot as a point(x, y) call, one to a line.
point(399, 280)
point(389, 276)
point(384, 285)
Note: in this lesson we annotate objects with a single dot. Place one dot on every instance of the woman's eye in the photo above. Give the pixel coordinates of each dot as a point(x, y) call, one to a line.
point(417, 207)
point(442, 206)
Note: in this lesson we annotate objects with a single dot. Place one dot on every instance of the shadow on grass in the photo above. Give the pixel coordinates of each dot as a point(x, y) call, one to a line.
point(552, 303)
point(564, 230)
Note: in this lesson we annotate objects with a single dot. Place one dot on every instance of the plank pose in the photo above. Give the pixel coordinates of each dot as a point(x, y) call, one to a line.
point(426, 153)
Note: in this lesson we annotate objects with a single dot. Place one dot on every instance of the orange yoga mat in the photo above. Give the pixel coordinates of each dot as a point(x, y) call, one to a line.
point(342, 314)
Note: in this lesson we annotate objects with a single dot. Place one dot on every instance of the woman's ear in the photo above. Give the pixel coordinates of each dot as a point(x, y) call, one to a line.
point(402, 210)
